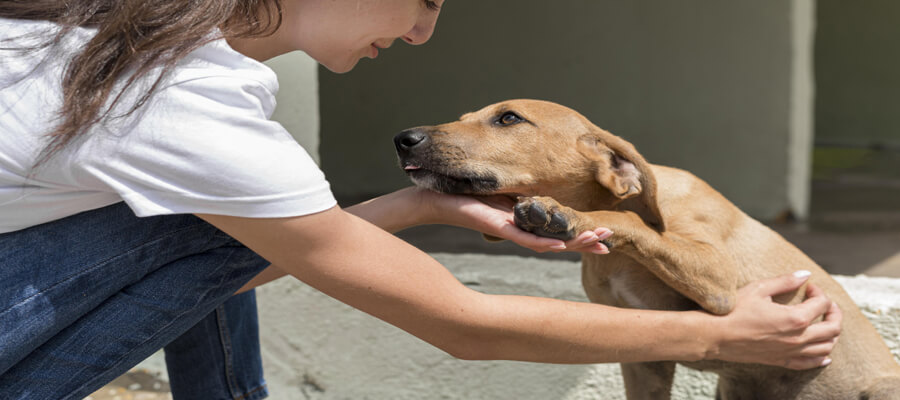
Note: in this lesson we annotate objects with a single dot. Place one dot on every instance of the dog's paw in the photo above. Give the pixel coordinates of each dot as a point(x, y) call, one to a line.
point(545, 217)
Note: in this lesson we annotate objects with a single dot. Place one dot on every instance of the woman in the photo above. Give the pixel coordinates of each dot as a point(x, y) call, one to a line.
point(142, 184)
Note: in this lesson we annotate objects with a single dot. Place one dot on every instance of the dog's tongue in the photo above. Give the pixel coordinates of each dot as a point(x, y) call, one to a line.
point(411, 168)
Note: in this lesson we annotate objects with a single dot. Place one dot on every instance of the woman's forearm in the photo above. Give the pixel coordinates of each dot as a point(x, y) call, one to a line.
point(555, 331)
point(393, 212)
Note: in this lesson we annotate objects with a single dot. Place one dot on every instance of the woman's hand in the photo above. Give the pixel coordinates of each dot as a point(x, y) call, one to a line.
point(762, 331)
point(493, 215)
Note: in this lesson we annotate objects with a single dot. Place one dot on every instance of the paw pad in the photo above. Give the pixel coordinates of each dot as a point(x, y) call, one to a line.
point(543, 218)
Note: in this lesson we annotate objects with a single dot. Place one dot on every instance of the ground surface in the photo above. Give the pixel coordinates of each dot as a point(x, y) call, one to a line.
point(137, 384)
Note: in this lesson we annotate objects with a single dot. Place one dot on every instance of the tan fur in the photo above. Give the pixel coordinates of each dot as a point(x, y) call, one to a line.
point(678, 243)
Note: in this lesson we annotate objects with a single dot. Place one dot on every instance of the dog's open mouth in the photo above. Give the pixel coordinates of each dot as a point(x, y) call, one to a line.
point(453, 183)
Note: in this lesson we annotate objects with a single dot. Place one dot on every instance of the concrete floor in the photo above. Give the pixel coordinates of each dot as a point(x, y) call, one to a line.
point(136, 384)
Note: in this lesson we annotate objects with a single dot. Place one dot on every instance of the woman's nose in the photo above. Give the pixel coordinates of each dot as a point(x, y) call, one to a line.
point(422, 31)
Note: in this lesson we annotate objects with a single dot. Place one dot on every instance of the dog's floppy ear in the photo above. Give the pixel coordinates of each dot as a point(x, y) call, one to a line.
point(625, 173)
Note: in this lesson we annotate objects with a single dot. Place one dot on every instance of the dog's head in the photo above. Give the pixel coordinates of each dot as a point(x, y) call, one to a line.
point(530, 147)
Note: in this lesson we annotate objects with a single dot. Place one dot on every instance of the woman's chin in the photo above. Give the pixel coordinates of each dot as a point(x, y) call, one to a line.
point(341, 67)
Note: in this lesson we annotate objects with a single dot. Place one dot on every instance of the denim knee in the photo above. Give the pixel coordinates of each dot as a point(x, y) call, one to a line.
point(76, 280)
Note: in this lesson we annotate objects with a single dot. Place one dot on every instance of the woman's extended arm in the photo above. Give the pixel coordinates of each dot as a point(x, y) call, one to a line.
point(487, 214)
point(356, 262)
point(413, 206)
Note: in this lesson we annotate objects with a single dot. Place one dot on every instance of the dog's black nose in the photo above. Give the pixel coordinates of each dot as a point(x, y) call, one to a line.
point(406, 140)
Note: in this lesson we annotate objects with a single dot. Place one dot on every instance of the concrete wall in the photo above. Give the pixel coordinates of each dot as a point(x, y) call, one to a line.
point(721, 88)
point(298, 98)
point(857, 57)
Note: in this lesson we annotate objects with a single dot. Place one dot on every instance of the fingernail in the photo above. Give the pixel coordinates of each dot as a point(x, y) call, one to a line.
point(802, 274)
point(600, 251)
point(605, 235)
point(825, 362)
point(590, 238)
point(558, 247)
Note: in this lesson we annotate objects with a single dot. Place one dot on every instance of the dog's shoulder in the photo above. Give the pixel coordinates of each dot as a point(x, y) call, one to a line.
point(685, 200)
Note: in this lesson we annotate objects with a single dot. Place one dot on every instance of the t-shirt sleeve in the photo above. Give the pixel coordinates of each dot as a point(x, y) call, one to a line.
point(205, 145)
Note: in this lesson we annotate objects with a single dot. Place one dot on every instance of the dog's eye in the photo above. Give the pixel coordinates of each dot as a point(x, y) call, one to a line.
point(509, 118)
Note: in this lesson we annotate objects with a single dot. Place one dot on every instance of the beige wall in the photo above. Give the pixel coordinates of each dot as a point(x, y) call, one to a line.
point(298, 98)
point(858, 72)
point(703, 85)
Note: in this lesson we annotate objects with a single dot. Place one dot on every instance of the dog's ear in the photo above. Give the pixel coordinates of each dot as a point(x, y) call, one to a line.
point(625, 173)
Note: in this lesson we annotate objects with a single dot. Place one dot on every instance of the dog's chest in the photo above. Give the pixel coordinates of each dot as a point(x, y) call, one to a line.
point(622, 282)
point(622, 288)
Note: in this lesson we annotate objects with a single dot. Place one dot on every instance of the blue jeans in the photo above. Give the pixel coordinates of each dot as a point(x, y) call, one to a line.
point(85, 298)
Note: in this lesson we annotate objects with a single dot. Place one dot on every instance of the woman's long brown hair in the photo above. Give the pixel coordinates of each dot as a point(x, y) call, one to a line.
point(134, 37)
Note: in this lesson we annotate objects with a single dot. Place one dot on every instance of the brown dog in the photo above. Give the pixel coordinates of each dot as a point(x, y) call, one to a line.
point(677, 244)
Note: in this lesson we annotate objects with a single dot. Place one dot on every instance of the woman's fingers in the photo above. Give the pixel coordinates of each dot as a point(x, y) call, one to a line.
point(780, 284)
point(807, 363)
point(817, 339)
point(815, 307)
point(801, 315)
point(590, 241)
point(529, 240)
point(586, 242)
point(834, 315)
point(818, 349)
point(493, 215)
point(769, 333)
point(827, 330)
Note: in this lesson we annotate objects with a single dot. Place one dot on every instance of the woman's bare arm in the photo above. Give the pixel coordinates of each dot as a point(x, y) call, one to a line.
point(364, 266)
point(413, 206)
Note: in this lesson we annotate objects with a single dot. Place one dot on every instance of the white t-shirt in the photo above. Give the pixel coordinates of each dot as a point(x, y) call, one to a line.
point(203, 144)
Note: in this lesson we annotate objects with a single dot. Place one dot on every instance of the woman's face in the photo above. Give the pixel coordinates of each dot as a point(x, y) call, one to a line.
point(338, 33)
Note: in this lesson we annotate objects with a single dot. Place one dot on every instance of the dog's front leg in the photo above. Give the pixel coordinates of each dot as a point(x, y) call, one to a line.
point(691, 264)
point(648, 381)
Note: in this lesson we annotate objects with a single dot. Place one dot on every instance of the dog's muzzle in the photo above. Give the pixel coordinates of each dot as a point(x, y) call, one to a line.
point(411, 140)
point(416, 151)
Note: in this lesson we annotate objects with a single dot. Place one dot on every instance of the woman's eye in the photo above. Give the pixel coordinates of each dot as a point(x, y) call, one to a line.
point(432, 5)
point(509, 118)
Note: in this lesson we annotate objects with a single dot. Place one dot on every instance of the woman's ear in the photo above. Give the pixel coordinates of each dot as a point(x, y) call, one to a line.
point(625, 174)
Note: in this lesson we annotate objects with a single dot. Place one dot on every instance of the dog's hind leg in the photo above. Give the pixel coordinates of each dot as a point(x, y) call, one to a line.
point(648, 381)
